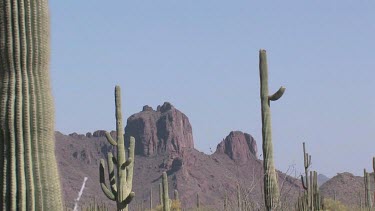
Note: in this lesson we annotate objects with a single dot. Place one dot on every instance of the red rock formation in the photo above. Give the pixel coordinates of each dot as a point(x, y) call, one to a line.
point(238, 146)
point(156, 132)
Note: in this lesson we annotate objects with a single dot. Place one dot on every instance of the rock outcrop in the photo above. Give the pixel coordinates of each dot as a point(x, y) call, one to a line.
point(346, 188)
point(156, 132)
point(238, 146)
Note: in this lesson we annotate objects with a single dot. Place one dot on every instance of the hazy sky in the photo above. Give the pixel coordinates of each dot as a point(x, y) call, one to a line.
point(202, 56)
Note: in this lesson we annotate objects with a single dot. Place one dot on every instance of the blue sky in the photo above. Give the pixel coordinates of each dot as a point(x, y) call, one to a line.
point(202, 56)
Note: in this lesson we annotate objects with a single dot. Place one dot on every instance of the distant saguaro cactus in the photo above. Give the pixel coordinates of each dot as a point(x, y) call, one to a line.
point(271, 187)
point(305, 181)
point(151, 198)
point(175, 193)
point(121, 185)
point(29, 177)
point(161, 194)
point(166, 201)
point(368, 203)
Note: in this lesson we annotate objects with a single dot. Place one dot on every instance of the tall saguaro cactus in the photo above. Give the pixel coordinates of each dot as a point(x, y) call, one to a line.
point(305, 182)
point(271, 188)
point(166, 201)
point(29, 177)
point(368, 203)
point(121, 185)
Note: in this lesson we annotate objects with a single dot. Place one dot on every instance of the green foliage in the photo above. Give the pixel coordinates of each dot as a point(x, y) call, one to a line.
point(121, 185)
point(175, 206)
point(271, 187)
point(29, 177)
point(332, 205)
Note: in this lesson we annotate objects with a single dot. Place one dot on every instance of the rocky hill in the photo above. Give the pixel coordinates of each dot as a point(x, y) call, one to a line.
point(322, 179)
point(347, 188)
point(164, 142)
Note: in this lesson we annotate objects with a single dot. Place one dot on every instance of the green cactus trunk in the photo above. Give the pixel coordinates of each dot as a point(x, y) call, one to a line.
point(175, 193)
point(161, 194)
point(151, 198)
point(166, 201)
point(121, 186)
point(29, 176)
point(271, 187)
point(368, 202)
point(306, 184)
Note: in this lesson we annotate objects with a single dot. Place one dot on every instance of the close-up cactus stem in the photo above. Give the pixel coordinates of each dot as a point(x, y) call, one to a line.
point(29, 176)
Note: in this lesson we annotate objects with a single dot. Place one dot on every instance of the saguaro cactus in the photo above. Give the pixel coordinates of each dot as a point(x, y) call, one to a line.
point(29, 177)
point(305, 182)
point(161, 194)
point(166, 201)
point(175, 193)
point(151, 198)
point(368, 203)
point(271, 187)
point(121, 186)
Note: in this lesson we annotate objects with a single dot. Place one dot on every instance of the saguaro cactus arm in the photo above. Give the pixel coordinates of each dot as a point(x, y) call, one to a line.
point(307, 163)
point(104, 187)
point(110, 139)
point(277, 95)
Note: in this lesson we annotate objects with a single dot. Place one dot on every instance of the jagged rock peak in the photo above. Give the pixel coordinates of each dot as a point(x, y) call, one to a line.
point(156, 132)
point(100, 133)
point(147, 108)
point(238, 146)
point(165, 107)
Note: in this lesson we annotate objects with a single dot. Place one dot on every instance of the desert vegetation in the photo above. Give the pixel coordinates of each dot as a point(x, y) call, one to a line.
point(29, 176)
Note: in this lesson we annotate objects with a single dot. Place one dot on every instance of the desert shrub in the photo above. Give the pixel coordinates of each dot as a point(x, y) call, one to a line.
point(176, 206)
point(332, 205)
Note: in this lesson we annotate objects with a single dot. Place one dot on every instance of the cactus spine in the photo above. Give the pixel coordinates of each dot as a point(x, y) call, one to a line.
point(121, 186)
point(166, 201)
point(271, 188)
point(29, 178)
